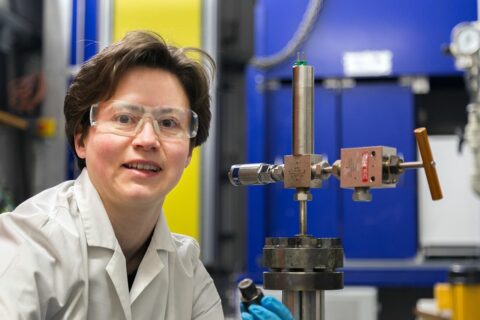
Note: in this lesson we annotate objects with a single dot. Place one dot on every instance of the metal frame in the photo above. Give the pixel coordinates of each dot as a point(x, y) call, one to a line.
point(209, 166)
point(55, 51)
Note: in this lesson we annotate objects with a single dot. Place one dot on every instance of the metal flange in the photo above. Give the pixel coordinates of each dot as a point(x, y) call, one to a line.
point(303, 258)
point(303, 253)
point(302, 281)
point(303, 263)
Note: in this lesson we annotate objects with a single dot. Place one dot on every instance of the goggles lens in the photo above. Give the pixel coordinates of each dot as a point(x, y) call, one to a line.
point(127, 119)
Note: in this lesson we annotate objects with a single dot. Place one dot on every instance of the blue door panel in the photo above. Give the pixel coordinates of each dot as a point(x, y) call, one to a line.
point(381, 114)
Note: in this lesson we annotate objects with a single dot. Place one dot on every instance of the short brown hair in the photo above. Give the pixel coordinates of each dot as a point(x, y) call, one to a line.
point(98, 78)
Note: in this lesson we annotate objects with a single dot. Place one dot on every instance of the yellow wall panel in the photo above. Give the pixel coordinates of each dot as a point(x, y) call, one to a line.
point(178, 22)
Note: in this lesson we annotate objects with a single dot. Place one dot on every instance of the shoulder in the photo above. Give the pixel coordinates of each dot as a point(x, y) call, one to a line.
point(186, 246)
point(37, 241)
point(38, 225)
point(46, 203)
point(49, 213)
point(206, 303)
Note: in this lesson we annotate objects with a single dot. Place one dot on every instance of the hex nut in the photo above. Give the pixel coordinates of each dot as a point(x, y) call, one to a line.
point(302, 196)
point(362, 194)
point(336, 168)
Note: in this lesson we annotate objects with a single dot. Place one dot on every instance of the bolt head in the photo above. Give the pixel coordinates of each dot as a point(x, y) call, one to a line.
point(362, 195)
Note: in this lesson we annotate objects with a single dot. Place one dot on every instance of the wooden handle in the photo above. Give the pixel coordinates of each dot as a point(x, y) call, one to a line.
point(428, 163)
point(13, 120)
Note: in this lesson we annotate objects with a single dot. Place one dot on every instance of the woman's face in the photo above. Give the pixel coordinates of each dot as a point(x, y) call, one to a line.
point(144, 168)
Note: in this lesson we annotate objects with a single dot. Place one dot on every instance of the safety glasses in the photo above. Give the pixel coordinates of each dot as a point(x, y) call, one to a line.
point(127, 119)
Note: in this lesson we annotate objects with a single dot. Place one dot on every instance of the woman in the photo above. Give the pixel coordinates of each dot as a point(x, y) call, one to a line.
point(99, 247)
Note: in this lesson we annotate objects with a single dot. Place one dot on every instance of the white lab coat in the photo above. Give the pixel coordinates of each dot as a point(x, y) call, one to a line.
point(59, 259)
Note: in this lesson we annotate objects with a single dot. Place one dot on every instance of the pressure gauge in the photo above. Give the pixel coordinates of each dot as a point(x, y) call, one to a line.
point(466, 39)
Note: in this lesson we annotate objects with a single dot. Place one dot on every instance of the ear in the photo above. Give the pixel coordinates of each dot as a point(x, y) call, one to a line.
point(80, 146)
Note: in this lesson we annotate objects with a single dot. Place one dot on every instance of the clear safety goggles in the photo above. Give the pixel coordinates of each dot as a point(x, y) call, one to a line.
point(127, 119)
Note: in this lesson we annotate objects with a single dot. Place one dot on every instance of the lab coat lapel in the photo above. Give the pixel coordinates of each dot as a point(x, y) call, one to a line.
point(117, 271)
point(99, 233)
point(98, 229)
point(151, 266)
point(154, 262)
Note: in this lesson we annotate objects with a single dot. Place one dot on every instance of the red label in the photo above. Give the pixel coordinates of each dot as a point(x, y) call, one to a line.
point(365, 167)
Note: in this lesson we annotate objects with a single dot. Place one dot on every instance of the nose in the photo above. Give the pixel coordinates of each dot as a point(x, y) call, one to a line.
point(146, 136)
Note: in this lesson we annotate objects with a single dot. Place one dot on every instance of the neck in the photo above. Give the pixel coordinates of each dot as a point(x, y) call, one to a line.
point(133, 229)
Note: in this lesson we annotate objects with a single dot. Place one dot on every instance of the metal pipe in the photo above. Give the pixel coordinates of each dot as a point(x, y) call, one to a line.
point(472, 131)
point(255, 174)
point(105, 23)
point(303, 130)
point(209, 163)
point(305, 305)
point(50, 165)
point(411, 165)
point(303, 217)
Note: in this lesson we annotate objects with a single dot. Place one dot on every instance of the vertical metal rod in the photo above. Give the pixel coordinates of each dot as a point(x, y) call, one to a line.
point(303, 101)
point(80, 54)
point(320, 305)
point(303, 129)
point(50, 165)
point(105, 23)
point(303, 217)
point(292, 301)
point(305, 305)
point(209, 163)
point(312, 309)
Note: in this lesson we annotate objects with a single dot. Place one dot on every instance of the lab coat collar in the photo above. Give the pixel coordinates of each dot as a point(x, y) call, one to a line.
point(117, 271)
point(99, 232)
point(152, 264)
point(98, 229)
point(154, 261)
point(162, 238)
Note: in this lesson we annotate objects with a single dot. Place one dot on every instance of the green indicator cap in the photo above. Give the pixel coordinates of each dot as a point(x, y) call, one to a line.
point(301, 61)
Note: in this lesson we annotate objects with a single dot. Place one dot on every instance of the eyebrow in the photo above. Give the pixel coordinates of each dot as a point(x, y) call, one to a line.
point(168, 110)
point(132, 107)
point(138, 108)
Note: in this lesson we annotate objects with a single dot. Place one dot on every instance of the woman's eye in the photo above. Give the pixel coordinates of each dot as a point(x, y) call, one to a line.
point(168, 123)
point(124, 119)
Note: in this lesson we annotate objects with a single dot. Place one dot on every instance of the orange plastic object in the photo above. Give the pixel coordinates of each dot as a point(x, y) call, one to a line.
point(428, 163)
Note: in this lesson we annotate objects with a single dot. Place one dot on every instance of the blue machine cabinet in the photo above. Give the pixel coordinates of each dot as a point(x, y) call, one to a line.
point(379, 112)
point(413, 30)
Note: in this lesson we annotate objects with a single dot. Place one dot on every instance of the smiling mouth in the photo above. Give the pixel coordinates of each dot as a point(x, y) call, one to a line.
point(143, 166)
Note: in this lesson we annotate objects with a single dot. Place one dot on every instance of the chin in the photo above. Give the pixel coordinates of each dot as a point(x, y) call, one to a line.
point(147, 196)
